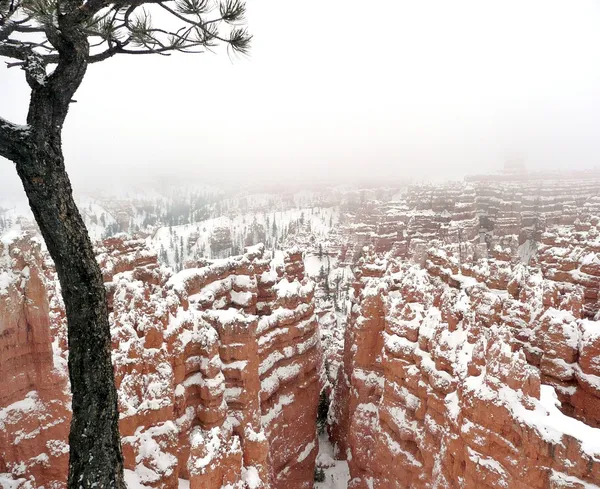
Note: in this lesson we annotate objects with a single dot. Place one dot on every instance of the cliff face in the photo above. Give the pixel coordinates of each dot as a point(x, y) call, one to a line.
point(509, 213)
point(442, 381)
point(468, 357)
point(34, 398)
point(217, 370)
point(471, 352)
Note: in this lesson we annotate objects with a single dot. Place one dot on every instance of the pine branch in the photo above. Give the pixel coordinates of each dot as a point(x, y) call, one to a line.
point(117, 28)
point(192, 7)
point(239, 39)
point(232, 11)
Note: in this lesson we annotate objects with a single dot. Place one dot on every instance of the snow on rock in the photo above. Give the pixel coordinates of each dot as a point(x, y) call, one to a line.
point(446, 384)
point(460, 326)
point(203, 392)
point(34, 398)
point(336, 472)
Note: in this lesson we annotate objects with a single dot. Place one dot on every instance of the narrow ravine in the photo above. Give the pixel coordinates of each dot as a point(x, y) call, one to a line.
point(337, 474)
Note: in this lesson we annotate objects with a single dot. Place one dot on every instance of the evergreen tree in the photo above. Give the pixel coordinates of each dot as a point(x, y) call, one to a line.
point(322, 411)
point(322, 275)
point(176, 259)
point(163, 254)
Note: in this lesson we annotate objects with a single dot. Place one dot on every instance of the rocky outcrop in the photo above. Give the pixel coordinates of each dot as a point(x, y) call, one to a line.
point(508, 216)
point(217, 370)
point(34, 399)
point(472, 363)
point(463, 352)
point(571, 254)
point(447, 383)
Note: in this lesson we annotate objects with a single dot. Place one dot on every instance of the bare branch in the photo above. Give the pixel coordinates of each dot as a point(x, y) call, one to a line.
point(33, 63)
point(164, 51)
point(28, 29)
point(13, 140)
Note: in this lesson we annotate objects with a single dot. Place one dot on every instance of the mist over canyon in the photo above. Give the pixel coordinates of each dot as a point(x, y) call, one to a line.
point(418, 336)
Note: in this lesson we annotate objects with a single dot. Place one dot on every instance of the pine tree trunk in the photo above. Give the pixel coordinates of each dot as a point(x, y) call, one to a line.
point(96, 460)
point(95, 450)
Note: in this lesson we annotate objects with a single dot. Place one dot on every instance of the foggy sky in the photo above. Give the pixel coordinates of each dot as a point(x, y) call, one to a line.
point(390, 89)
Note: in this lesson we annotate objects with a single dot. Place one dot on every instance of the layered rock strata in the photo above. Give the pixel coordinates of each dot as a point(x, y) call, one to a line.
point(450, 384)
point(217, 370)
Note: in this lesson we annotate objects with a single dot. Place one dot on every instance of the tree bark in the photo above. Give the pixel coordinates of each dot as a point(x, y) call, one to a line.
point(95, 448)
point(95, 460)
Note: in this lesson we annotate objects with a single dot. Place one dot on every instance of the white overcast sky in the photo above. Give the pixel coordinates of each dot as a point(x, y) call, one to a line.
point(342, 87)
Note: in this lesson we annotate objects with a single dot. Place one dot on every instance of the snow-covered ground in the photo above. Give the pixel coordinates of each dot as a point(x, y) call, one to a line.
point(179, 243)
point(337, 474)
point(132, 480)
point(314, 263)
point(527, 251)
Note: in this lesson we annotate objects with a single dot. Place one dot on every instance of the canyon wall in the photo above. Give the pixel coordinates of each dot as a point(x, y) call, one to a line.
point(501, 214)
point(469, 356)
point(218, 369)
point(448, 382)
point(34, 398)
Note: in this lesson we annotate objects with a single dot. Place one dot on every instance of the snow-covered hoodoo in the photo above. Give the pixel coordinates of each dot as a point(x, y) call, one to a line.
point(437, 389)
point(217, 369)
point(455, 329)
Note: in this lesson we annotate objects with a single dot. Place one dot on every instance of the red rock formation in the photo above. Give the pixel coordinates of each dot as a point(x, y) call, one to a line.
point(470, 356)
point(237, 369)
point(214, 386)
point(511, 212)
point(34, 408)
point(437, 390)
